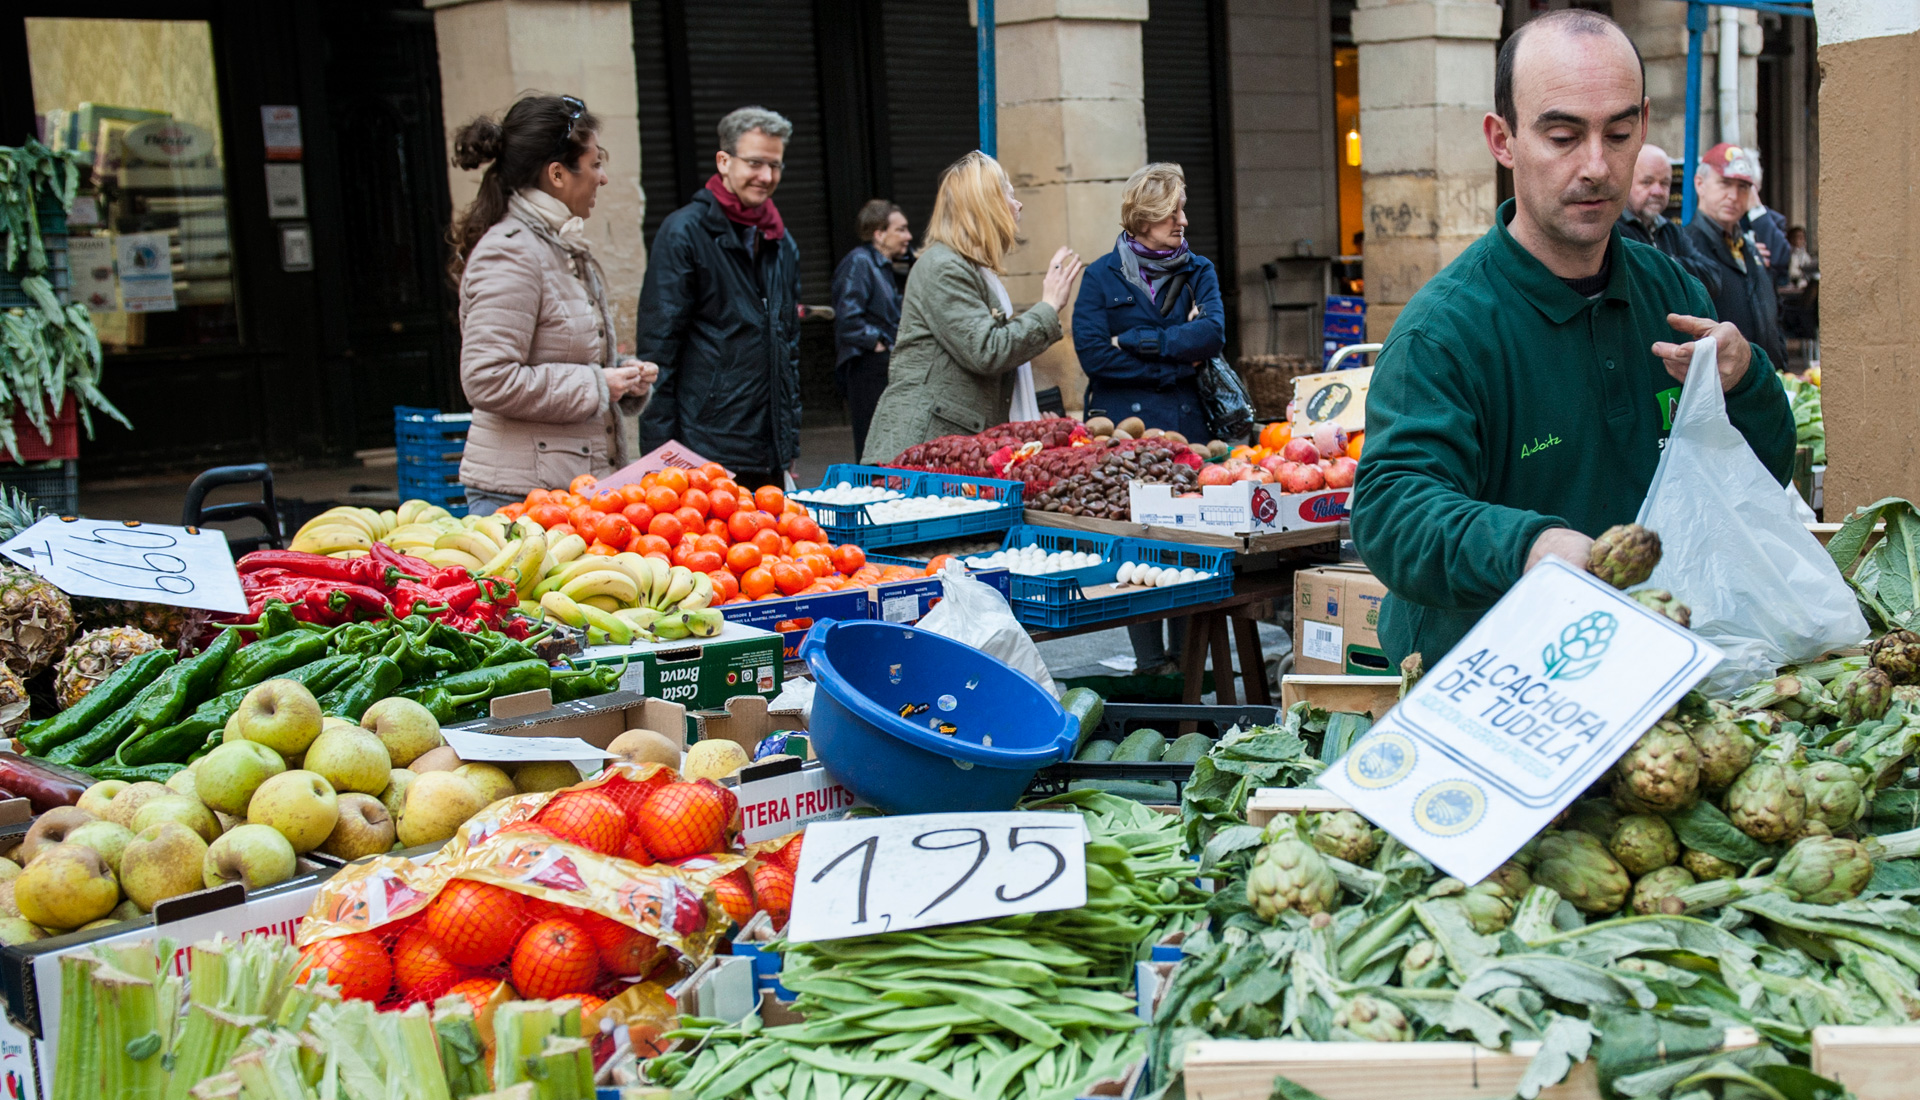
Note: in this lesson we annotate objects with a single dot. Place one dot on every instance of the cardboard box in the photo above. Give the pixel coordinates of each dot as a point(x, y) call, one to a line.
point(1242, 508)
point(698, 672)
point(1374, 695)
point(1336, 622)
point(597, 720)
point(1874, 1063)
point(744, 721)
point(1340, 397)
point(793, 616)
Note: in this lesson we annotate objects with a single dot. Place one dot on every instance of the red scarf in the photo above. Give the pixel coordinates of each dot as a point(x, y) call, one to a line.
point(765, 217)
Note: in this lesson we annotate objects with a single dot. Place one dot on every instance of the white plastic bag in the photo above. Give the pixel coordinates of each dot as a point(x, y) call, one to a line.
point(1735, 547)
point(974, 612)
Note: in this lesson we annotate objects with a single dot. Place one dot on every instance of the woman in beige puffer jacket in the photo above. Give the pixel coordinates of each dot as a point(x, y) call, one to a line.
point(536, 338)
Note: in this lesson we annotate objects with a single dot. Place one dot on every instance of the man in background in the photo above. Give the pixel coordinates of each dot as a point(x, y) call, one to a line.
point(1769, 228)
point(719, 311)
point(866, 311)
point(1724, 185)
point(1645, 217)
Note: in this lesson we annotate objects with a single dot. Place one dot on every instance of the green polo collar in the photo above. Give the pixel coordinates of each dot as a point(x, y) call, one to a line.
point(1548, 292)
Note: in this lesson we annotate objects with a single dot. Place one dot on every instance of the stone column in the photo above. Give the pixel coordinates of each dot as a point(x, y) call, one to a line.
point(1869, 250)
point(1427, 184)
point(1659, 29)
point(492, 50)
point(1072, 129)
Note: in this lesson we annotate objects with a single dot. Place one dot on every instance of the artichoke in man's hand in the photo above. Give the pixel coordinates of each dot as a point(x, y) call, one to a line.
point(1654, 888)
point(1644, 843)
point(1624, 556)
point(1662, 602)
point(1767, 802)
point(1580, 869)
point(1897, 653)
point(1288, 873)
point(1662, 770)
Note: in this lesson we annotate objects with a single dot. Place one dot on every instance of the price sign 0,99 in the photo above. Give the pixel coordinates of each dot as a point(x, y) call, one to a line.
point(885, 874)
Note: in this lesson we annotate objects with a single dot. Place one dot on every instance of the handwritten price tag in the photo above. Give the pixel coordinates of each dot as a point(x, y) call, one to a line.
point(873, 875)
point(149, 562)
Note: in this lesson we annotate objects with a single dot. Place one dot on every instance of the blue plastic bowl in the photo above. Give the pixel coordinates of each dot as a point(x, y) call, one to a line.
point(1007, 726)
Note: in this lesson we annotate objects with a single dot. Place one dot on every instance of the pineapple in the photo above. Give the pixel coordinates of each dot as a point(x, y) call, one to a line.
point(13, 702)
point(36, 619)
point(18, 511)
point(164, 622)
point(96, 655)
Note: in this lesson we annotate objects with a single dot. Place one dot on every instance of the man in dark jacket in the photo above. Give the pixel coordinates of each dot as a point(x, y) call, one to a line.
point(719, 312)
point(1724, 185)
point(1769, 227)
point(866, 311)
point(1645, 217)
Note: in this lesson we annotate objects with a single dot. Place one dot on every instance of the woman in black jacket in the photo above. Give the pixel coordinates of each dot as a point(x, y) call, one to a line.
point(866, 311)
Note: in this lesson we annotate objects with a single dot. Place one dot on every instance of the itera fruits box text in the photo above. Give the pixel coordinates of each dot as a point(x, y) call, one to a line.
point(699, 673)
point(1336, 622)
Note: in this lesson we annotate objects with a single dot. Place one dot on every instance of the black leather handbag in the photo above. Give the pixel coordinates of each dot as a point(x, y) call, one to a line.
point(1223, 396)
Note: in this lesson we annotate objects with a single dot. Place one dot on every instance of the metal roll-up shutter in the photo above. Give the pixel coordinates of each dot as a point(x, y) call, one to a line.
point(932, 93)
point(1176, 46)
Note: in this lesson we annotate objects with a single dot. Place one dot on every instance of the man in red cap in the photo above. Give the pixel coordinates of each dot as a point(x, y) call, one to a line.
point(1744, 296)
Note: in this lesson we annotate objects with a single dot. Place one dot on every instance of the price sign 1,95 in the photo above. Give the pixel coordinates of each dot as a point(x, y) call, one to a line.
point(884, 874)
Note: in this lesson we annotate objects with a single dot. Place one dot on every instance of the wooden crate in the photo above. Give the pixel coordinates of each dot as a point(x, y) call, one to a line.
point(1268, 801)
point(1875, 1063)
point(1244, 1070)
point(1375, 695)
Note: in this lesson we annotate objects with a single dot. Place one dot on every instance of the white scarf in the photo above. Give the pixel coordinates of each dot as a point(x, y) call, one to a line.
point(1025, 405)
point(570, 229)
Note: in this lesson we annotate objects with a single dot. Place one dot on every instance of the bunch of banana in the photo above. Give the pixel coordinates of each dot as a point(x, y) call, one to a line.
point(345, 531)
point(625, 598)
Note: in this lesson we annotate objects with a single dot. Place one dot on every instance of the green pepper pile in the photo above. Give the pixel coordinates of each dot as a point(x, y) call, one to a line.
point(1034, 1006)
point(158, 712)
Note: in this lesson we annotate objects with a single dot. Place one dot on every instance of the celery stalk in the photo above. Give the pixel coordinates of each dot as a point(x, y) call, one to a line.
point(567, 1069)
point(208, 970)
point(79, 1045)
point(520, 1030)
point(224, 1086)
point(208, 1039)
point(522, 1091)
point(129, 1036)
point(463, 1057)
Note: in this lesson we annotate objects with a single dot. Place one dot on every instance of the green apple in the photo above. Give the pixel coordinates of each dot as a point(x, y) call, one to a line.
point(545, 775)
point(489, 780)
point(165, 860)
point(394, 798)
point(183, 782)
point(405, 727)
point(9, 870)
point(15, 931)
point(364, 828)
point(69, 885)
point(105, 837)
point(190, 812)
point(438, 803)
point(254, 854)
point(94, 799)
point(280, 714)
point(300, 804)
point(51, 828)
point(442, 759)
point(350, 758)
point(226, 778)
point(128, 802)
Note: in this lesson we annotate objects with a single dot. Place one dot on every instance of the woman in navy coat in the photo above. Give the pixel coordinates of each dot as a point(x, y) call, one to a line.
point(1149, 312)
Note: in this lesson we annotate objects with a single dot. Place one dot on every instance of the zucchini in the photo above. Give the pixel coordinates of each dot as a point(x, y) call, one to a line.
point(1158, 793)
point(1142, 746)
point(1098, 752)
point(1188, 749)
point(1086, 706)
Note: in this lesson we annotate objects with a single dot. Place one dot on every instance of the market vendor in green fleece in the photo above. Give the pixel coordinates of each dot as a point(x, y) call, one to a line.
point(1522, 399)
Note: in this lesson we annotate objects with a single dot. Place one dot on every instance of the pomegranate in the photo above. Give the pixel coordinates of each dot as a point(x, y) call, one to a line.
point(1301, 478)
point(1300, 450)
point(1272, 464)
point(1340, 472)
point(1215, 474)
point(1329, 439)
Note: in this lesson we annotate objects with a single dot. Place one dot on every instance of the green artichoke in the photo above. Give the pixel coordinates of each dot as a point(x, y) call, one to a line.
point(1423, 966)
point(1579, 868)
point(1724, 749)
point(1767, 802)
point(1289, 874)
point(1374, 1019)
point(1345, 835)
point(1820, 870)
point(1489, 904)
point(1662, 770)
point(1861, 696)
point(1662, 602)
point(1592, 815)
point(1908, 694)
point(1835, 796)
point(1644, 843)
point(1657, 886)
point(1897, 653)
point(1705, 866)
point(1624, 556)
point(1796, 698)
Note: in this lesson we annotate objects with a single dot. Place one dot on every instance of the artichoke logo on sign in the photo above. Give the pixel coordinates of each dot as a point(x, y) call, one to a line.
point(1580, 647)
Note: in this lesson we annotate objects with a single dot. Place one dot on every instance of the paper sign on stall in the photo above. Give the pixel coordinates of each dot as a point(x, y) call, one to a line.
point(789, 802)
point(497, 748)
point(885, 874)
point(670, 453)
point(1533, 706)
point(149, 562)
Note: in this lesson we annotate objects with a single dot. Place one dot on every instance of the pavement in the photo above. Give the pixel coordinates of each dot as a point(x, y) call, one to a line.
point(305, 491)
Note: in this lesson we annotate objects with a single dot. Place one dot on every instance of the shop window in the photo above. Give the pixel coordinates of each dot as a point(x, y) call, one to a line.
point(151, 249)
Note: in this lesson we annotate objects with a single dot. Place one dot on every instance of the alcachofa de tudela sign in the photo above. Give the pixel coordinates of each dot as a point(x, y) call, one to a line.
point(1533, 706)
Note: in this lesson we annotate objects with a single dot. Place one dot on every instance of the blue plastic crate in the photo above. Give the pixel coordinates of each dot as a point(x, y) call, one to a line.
point(451, 497)
point(1346, 303)
point(851, 523)
point(415, 424)
point(1042, 586)
point(907, 601)
point(1337, 325)
point(1065, 605)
